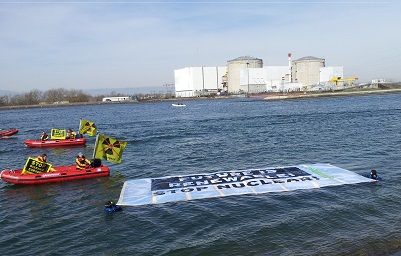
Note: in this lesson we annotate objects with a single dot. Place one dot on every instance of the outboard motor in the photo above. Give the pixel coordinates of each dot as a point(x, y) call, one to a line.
point(96, 162)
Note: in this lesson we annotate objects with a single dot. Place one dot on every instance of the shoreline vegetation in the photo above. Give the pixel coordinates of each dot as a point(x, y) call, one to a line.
point(393, 88)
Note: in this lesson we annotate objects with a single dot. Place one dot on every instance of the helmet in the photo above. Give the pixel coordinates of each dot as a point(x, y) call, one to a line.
point(80, 154)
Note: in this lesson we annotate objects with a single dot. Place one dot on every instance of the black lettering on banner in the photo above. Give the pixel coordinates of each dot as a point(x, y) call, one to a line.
point(238, 185)
point(158, 193)
point(230, 179)
point(223, 186)
point(173, 191)
point(264, 182)
point(252, 183)
point(201, 188)
point(187, 190)
point(35, 166)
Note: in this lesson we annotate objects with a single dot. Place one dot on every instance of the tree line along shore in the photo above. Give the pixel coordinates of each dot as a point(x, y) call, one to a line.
point(63, 98)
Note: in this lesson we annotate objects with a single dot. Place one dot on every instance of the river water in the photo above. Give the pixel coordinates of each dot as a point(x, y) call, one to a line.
point(355, 133)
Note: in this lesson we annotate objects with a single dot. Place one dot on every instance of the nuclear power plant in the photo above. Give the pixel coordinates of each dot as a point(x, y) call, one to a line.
point(248, 75)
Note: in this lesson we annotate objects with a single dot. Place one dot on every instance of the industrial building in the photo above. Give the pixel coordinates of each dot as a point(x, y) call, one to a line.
point(124, 98)
point(306, 70)
point(198, 81)
point(247, 75)
point(239, 73)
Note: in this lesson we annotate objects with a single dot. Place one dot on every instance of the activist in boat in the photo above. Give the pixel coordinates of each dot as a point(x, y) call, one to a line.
point(44, 136)
point(43, 158)
point(83, 162)
point(58, 138)
point(63, 138)
point(37, 171)
point(71, 134)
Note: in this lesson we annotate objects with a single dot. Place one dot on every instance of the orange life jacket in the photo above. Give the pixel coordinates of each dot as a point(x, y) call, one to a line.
point(82, 163)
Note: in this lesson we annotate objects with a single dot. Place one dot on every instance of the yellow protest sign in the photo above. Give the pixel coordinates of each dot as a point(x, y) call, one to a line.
point(34, 166)
point(57, 134)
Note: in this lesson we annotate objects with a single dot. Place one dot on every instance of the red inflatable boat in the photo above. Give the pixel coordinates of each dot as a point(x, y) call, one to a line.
point(61, 173)
point(56, 143)
point(8, 132)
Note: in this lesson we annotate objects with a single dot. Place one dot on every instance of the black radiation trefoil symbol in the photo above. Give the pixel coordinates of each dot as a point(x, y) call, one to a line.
point(110, 147)
point(90, 126)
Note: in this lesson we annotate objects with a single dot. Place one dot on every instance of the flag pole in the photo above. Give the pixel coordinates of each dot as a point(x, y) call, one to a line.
point(94, 149)
point(79, 127)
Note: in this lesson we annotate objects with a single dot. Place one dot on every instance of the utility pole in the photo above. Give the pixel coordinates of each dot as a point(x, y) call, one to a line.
point(203, 81)
point(167, 85)
point(247, 68)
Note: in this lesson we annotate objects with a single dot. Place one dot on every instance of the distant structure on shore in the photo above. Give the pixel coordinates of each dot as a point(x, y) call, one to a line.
point(247, 75)
point(124, 98)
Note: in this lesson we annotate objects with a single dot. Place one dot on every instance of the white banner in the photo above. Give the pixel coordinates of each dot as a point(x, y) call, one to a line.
point(236, 182)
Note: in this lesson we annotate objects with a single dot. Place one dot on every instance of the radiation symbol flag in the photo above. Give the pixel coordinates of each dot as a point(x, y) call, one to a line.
point(87, 127)
point(109, 148)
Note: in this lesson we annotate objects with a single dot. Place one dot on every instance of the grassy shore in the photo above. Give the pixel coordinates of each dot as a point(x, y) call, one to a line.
point(69, 104)
point(311, 95)
point(388, 89)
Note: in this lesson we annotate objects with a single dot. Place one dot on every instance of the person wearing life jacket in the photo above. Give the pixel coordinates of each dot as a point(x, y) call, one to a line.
point(44, 136)
point(82, 162)
point(42, 158)
point(111, 207)
point(373, 175)
point(71, 134)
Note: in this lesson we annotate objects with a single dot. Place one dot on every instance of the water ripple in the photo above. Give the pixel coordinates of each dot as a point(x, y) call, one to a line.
point(359, 134)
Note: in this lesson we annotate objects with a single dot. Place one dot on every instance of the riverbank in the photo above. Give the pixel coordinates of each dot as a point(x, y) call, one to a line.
point(69, 104)
point(311, 95)
point(265, 97)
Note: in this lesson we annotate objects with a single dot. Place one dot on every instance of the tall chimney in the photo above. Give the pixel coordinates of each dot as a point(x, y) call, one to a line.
point(289, 68)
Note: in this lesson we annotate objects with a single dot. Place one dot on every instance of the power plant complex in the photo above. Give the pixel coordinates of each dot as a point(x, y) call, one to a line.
point(247, 75)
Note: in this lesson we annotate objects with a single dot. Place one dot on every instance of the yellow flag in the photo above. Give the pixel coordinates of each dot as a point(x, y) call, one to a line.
point(57, 134)
point(87, 127)
point(34, 166)
point(109, 148)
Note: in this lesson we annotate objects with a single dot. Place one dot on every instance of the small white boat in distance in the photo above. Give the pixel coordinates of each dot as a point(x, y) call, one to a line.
point(178, 105)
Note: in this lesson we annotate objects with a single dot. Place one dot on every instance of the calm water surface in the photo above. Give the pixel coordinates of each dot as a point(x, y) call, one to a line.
point(355, 133)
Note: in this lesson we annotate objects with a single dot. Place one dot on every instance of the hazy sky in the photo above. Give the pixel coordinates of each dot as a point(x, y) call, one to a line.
point(114, 44)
